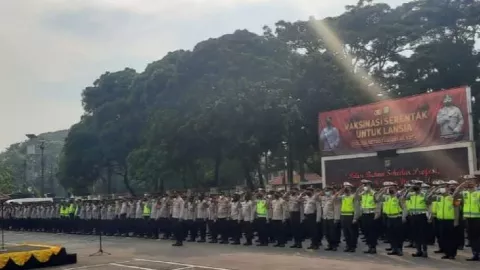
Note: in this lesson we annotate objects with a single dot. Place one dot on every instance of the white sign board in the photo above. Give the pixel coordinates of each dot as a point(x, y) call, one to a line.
point(31, 149)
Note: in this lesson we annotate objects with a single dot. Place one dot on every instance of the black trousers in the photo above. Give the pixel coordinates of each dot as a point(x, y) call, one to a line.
point(311, 222)
point(419, 231)
point(261, 226)
point(222, 227)
point(332, 232)
point(473, 230)
point(165, 227)
point(370, 229)
point(213, 229)
point(278, 227)
point(350, 231)
point(248, 231)
point(235, 230)
point(295, 226)
point(178, 230)
point(201, 226)
point(449, 237)
point(319, 232)
point(395, 233)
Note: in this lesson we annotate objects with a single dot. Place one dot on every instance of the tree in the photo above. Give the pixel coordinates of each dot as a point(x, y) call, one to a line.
point(208, 116)
point(6, 180)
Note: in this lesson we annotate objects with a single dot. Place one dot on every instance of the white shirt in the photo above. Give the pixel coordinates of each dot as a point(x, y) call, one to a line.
point(201, 209)
point(178, 208)
point(248, 213)
point(235, 210)
point(278, 211)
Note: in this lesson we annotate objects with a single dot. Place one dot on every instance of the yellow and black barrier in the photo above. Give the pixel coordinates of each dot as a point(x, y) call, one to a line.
point(29, 256)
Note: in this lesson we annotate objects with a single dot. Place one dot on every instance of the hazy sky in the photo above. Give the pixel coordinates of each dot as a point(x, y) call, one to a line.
point(51, 49)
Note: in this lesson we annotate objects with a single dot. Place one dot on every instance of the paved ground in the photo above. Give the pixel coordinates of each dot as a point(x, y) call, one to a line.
point(144, 254)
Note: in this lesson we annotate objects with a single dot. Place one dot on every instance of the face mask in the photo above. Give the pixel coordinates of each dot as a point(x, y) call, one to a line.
point(365, 188)
point(424, 190)
point(442, 190)
point(328, 193)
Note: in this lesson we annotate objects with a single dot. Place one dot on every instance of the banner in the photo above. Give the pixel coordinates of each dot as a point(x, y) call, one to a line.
point(430, 119)
point(427, 166)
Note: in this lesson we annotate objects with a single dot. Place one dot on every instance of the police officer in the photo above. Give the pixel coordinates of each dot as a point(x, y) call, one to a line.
point(366, 195)
point(235, 219)
point(331, 219)
point(261, 220)
point(395, 217)
point(348, 216)
point(447, 215)
point(248, 216)
point(223, 208)
point(278, 206)
point(178, 208)
point(294, 208)
point(201, 218)
point(417, 204)
point(470, 195)
point(311, 198)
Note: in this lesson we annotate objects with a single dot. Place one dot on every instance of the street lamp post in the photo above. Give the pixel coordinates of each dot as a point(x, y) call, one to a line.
point(42, 162)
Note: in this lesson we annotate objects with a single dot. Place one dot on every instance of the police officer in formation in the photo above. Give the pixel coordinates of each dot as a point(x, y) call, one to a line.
point(416, 213)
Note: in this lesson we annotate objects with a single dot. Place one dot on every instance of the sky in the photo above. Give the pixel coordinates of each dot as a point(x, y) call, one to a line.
point(50, 50)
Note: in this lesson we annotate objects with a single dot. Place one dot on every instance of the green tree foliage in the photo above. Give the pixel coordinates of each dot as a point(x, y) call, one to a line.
point(15, 158)
point(6, 180)
point(209, 116)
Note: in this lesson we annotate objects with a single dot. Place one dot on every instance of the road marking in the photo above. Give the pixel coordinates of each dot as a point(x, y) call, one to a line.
point(91, 266)
point(86, 267)
point(182, 264)
point(130, 266)
point(183, 268)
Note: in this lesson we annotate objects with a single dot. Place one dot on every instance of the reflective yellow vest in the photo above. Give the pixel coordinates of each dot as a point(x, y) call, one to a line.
point(261, 208)
point(63, 211)
point(71, 209)
point(392, 207)
point(471, 204)
point(434, 208)
point(347, 208)
point(385, 199)
point(146, 210)
point(368, 203)
point(445, 209)
point(416, 204)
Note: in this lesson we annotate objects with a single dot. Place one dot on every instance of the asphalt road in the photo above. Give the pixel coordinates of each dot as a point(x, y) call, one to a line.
point(146, 254)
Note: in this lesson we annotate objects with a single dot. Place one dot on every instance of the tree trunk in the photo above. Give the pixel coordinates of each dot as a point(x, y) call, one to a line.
point(109, 179)
point(267, 170)
point(290, 160)
point(193, 170)
point(126, 182)
point(184, 179)
point(156, 185)
point(301, 168)
point(248, 176)
point(218, 163)
point(162, 185)
point(261, 181)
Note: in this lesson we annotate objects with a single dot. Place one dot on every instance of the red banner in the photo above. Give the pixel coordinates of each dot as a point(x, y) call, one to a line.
point(430, 119)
